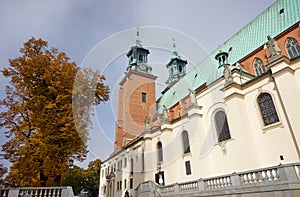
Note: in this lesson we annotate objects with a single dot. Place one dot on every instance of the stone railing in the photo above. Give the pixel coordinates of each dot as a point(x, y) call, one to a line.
point(218, 182)
point(258, 176)
point(188, 186)
point(264, 177)
point(37, 192)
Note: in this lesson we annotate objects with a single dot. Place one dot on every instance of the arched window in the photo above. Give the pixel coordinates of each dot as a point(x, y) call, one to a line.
point(180, 69)
point(292, 48)
point(267, 108)
point(159, 152)
point(186, 142)
point(258, 67)
point(140, 58)
point(222, 126)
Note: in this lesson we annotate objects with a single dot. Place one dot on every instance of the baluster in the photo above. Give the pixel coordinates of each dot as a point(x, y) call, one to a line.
point(207, 184)
point(271, 177)
point(246, 178)
point(214, 183)
point(256, 180)
point(250, 178)
point(211, 184)
point(264, 175)
point(259, 176)
point(277, 177)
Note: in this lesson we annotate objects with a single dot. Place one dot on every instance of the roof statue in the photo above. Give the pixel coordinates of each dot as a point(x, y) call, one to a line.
point(227, 74)
point(273, 48)
point(165, 114)
point(192, 97)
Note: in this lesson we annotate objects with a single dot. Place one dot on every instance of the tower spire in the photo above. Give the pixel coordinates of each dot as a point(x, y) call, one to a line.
point(138, 41)
point(138, 57)
point(175, 53)
point(176, 66)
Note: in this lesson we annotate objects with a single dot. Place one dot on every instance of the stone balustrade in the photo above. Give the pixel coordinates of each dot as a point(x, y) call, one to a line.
point(188, 186)
point(258, 180)
point(37, 192)
point(258, 176)
point(218, 182)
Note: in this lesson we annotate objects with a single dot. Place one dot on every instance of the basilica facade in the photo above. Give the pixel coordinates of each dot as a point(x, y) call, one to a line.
point(241, 116)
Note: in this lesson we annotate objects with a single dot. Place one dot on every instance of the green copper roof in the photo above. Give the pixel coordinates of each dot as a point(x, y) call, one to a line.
point(249, 38)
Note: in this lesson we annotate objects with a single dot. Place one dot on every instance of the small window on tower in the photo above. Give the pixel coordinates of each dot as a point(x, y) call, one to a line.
point(144, 97)
point(180, 69)
point(140, 58)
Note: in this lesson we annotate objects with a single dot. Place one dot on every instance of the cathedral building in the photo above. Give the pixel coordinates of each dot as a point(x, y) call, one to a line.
point(228, 127)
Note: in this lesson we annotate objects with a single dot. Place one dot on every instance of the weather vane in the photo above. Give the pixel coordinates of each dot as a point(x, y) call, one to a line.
point(138, 42)
point(174, 44)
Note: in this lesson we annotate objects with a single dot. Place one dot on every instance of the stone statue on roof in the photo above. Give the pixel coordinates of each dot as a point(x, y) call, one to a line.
point(272, 46)
point(227, 74)
point(147, 124)
point(193, 98)
point(165, 113)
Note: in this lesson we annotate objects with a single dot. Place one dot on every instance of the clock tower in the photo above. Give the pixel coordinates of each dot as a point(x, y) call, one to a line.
point(136, 101)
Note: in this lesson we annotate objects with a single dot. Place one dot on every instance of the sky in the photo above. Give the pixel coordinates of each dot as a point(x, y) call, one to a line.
point(98, 33)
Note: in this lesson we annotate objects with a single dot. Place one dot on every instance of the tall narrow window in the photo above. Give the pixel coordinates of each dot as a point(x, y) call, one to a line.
point(267, 109)
point(131, 183)
point(188, 168)
point(159, 152)
point(222, 126)
point(143, 161)
point(186, 142)
point(292, 47)
point(258, 67)
point(131, 166)
point(144, 97)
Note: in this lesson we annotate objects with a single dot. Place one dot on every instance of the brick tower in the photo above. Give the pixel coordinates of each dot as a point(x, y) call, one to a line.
point(136, 100)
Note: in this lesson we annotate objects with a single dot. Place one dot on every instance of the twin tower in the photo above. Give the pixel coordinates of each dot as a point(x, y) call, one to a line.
point(137, 101)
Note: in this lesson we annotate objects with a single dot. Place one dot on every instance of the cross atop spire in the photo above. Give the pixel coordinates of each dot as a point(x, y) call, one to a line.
point(138, 42)
point(174, 44)
point(175, 53)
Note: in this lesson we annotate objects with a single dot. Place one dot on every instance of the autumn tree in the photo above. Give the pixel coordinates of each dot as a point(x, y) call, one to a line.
point(91, 178)
point(3, 171)
point(74, 179)
point(46, 113)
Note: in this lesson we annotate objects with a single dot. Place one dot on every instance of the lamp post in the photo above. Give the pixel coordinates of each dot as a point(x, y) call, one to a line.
point(71, 163)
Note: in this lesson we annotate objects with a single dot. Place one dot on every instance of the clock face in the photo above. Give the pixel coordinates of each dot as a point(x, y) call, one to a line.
point(143, 67)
